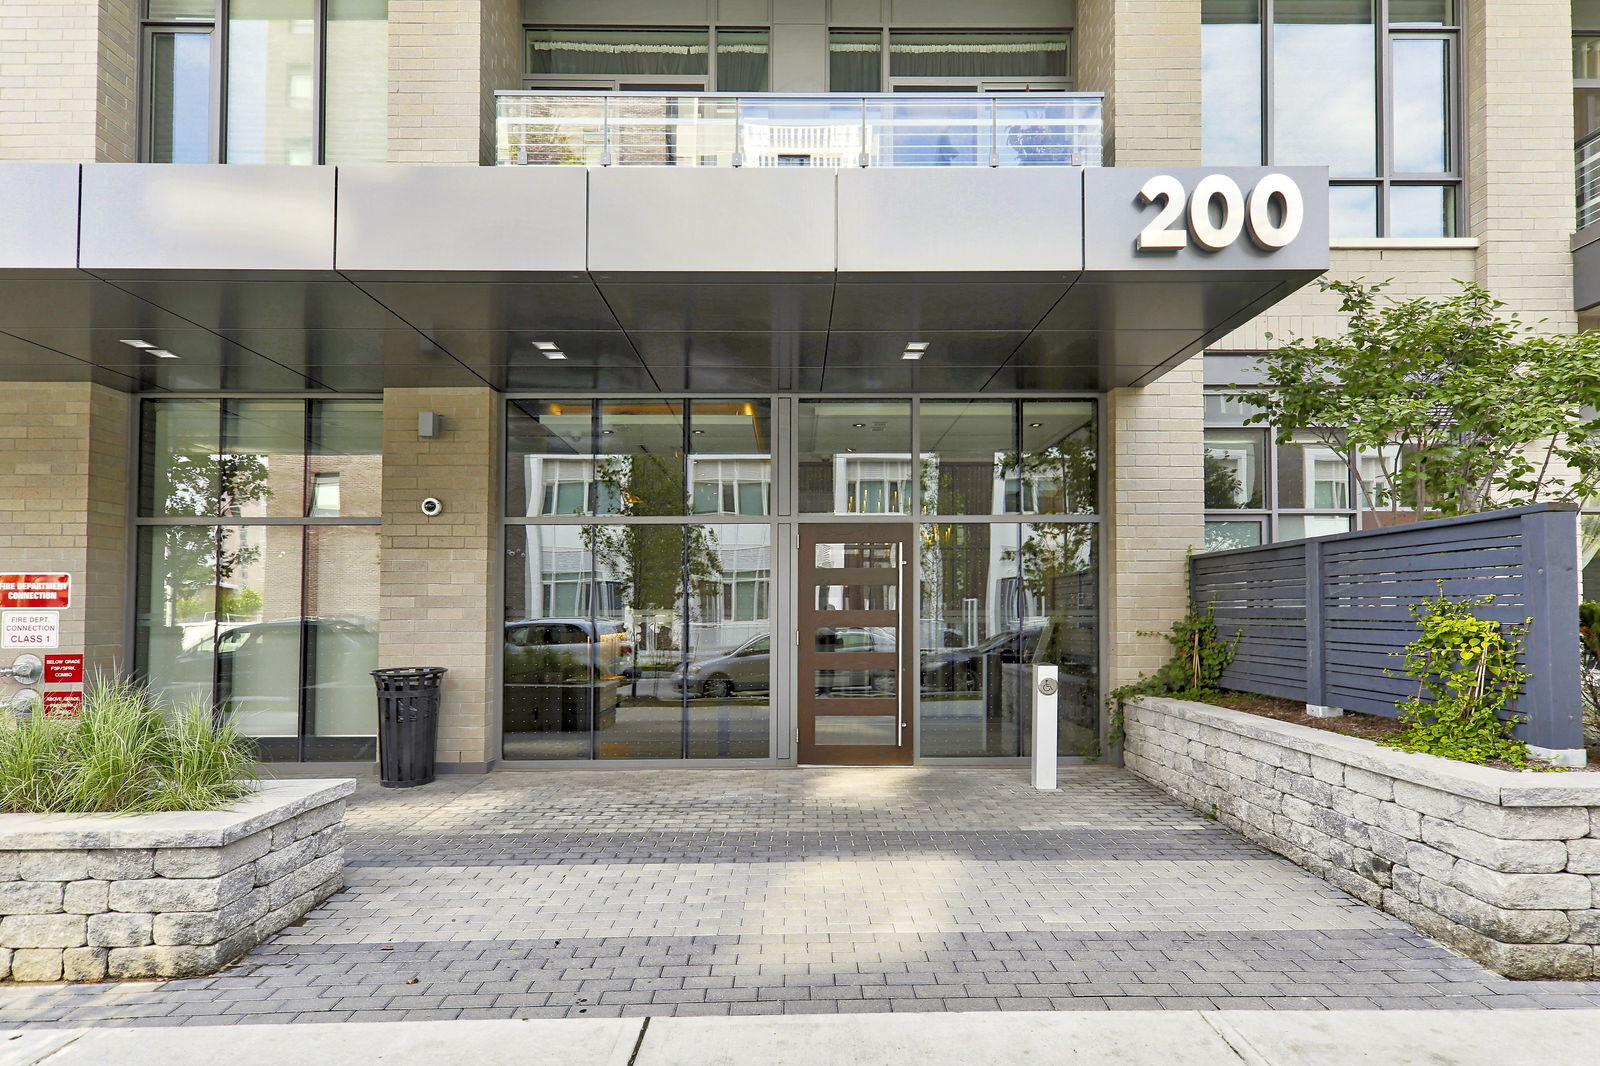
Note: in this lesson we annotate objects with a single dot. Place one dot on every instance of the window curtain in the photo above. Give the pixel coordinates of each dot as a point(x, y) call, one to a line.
point(990, 55)
point(855, 63)
point(742, 62)
point(608, 53)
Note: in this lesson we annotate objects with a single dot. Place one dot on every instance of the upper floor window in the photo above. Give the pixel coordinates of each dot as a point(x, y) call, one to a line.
point(642, 60)
point(1367, 88)
point(869, 61)
point(283, 81)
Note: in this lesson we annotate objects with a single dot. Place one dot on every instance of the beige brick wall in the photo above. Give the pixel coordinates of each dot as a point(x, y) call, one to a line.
point(1519, 152)
point(1154, 482)
point(1145, 56)
point(64, 506)
point(67, 80)
point(437, 593)
point(446, 58)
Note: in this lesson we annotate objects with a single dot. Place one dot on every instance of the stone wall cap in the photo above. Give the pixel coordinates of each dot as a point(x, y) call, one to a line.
point(1486, 784)
point(275, 802)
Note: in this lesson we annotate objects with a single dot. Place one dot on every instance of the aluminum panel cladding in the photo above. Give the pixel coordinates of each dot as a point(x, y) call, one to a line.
point(1204, 219)
point(496, 219)
point(141, 220)
point(692, 220)
point(39, 216)
point(961, 220)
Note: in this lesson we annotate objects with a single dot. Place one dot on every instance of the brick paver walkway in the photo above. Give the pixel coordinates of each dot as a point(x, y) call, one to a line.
point(603, 893)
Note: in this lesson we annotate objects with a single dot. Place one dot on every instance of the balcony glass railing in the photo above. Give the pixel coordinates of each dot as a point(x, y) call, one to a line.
point(767, 130)
point(1589, 180)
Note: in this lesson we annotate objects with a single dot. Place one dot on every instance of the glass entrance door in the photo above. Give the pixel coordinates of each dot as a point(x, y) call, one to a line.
point(853, 655)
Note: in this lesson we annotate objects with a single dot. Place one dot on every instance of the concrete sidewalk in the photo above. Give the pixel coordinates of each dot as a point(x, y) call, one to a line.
point(1122, 1038)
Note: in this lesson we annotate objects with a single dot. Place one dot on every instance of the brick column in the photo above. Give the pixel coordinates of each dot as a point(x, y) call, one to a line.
point(64, 507)
point(446, 59)
point(437, 593)
point(1145, 56)
point(1154, 482)
point(67, 87)
point(1519, 166)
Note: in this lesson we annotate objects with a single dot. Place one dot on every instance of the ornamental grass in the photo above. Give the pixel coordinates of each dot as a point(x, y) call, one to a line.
point(126, 752)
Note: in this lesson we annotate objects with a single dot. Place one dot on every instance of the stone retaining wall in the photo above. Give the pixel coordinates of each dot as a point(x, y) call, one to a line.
point(1502, 866)
point(83, 898)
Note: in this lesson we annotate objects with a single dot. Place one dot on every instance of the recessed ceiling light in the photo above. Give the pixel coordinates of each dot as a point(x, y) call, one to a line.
point(917, 346)
point(699, 432)
point(546, 346)
point(861, 425)
point(1035, 425)
point(162, 353)
point(911, 353)
point(551, 353)
point(138, 344)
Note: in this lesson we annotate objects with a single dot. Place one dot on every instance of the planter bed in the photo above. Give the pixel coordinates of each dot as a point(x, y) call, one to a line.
point(86, 897)
point(1502, 866)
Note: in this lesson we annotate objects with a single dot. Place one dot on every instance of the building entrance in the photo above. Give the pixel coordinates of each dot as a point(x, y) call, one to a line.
point(854, 652)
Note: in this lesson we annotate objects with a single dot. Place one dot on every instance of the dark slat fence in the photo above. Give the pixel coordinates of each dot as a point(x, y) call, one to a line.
point(1321, 620)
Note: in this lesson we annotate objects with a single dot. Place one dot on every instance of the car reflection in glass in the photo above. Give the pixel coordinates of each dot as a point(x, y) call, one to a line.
point(748, 667)
point(962, 669)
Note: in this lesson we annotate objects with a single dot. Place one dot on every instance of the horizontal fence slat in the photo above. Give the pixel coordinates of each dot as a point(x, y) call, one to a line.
point(1350, 614)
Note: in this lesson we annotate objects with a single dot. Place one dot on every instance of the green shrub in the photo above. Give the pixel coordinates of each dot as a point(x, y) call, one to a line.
point(1467, 673)
point(126, 752)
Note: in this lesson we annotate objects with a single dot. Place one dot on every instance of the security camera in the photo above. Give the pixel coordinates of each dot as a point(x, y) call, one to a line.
point(431, 507)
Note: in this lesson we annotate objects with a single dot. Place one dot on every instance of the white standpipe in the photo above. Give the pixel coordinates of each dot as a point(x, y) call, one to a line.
point(1045, 681)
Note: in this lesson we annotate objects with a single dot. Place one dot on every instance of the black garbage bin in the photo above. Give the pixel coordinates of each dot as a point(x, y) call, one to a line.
point(408, 724)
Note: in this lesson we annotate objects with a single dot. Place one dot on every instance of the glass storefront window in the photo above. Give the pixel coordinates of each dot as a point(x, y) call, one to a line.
point(1235, 470)
point(632, 633)
point(639, 464)
point(1223, 535)
point(178, 96)
point(271, 98)
point(1312, 476)
point(1059, 468)
point(1295, 527)
point(1230, 82)
point(969, 452)
point(269, 613)
point(855, 456)
point(356, 82)
point(1297, 82)
point(549, 458)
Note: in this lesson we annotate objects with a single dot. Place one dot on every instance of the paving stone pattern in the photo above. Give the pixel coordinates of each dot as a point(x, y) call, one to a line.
point(594, 894)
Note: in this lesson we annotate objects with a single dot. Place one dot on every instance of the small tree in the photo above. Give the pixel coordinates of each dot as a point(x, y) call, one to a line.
point(1459, 406)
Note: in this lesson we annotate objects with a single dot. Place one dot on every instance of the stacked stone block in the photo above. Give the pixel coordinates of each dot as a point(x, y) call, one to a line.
point(194, 900)
point(1502, 866)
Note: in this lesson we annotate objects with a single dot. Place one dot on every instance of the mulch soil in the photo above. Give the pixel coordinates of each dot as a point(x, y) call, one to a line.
point(1350, 724)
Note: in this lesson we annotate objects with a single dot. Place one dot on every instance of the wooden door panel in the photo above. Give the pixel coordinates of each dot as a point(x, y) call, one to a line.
point(841, 721)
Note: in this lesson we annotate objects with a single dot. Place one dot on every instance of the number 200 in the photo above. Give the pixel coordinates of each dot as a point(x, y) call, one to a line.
point(1236, 212)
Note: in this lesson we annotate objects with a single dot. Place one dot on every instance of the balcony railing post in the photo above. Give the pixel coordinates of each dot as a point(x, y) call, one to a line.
point(738, 131)
point(994, 131)
point(865, 157)
point(605, 131)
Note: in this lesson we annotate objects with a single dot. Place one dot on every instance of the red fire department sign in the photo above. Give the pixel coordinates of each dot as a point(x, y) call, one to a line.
point(50, 592)
point(63, 669)
point(64, 704)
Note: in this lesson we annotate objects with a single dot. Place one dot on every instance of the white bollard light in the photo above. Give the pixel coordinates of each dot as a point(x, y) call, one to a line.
point(1045, 682)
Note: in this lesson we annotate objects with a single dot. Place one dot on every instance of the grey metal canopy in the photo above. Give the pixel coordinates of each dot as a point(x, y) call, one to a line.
point(644, 278)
